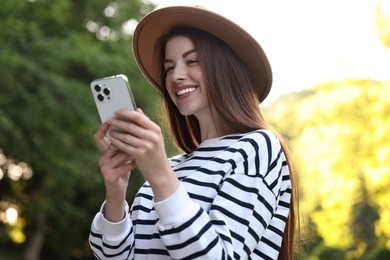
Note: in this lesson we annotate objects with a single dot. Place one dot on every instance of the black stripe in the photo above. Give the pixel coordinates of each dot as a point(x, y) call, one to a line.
point(141, 208)
point(252, 190)
point(276, 181)
point(232, 137)
point(147, 236)
point(148, 222)
point(109, 255)
point(200, 198)
point(112, 246)
point(276, 230)
point(243, 204)
point(222, 161)
point(270, 244)
point(211, 149)
point(284, 204)
point(230, 214)
point(202, 252)
point(256, 149)
point(288, 190)
point(144, 195)
point(241, 239)
point(286, 177)
point(192, 239)
point(211, 172)
point(269, 146)
point(274, 163)
point(150, 251)
point(175, 160)
point(186, 168)
point(183, 226)
point(243, 154)
point(202, 158)
point(282, 218)
point(201, 183)
point(262, 255)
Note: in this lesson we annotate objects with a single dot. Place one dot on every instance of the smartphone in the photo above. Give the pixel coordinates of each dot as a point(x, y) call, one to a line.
point(111, 94)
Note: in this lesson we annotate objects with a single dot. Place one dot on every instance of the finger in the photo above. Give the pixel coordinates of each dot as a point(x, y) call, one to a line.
point(128, 127)
point(140, 110)
point(114, 175)
point(108, 155)
point(125, 138)
point(128, 167)
point(134, 122)
point(101, 138)
point(122, 158)
point(128, 146)
point(111, 174)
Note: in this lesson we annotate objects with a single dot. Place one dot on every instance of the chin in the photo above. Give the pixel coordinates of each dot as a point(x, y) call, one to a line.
point(185, 113)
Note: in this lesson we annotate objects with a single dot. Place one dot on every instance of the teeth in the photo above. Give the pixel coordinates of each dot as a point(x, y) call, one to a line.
point(184, 91)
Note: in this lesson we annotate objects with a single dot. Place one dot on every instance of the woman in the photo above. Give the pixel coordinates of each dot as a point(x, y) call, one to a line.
point(230, 195)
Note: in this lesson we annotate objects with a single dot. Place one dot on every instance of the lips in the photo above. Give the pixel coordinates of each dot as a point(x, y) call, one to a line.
point(184, 91)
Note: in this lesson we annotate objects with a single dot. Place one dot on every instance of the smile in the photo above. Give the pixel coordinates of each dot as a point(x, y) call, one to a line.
point(184, 91)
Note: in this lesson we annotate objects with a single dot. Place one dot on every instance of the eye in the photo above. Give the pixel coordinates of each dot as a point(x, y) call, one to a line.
point(168, 69)
point(192, 61)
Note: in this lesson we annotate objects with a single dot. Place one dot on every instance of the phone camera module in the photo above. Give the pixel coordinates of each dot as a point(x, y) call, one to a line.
point(100, 97)
point(106, 91)
point(98, 88)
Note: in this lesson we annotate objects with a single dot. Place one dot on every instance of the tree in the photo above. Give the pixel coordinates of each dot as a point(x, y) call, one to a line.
point(50, 51)
point(338, 131)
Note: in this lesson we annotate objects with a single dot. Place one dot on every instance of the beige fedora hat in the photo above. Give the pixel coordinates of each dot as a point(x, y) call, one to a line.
point(160, 22)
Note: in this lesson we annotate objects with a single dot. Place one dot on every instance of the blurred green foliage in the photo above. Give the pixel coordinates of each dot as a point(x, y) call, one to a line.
point(48, 57)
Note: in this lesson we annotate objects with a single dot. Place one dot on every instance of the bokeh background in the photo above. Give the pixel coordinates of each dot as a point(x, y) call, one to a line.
point(338, 125)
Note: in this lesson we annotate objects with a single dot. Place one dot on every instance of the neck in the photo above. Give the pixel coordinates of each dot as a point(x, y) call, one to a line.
point(212, 127)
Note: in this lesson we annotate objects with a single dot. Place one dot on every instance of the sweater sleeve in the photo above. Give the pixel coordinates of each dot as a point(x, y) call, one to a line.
point(111, 240)
point(246, 206)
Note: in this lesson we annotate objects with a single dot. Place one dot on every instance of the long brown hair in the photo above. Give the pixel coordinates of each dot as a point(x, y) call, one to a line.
point(235, 101)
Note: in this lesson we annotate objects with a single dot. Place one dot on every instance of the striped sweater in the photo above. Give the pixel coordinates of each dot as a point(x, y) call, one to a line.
point(232, 203)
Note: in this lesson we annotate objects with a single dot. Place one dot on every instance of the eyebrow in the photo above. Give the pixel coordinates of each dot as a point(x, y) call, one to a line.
point(184, 55)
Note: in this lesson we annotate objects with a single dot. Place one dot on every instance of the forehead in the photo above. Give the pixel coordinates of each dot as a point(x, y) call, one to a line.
point(177, 44)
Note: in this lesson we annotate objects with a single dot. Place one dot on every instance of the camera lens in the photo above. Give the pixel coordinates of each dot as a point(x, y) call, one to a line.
point(98, 88)
point(100, 97)
point(106, 91)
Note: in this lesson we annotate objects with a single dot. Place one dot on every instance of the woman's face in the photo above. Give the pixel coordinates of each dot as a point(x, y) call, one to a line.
point(185, 80)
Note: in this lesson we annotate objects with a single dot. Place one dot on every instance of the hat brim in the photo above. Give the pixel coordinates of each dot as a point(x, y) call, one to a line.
point(159, 22)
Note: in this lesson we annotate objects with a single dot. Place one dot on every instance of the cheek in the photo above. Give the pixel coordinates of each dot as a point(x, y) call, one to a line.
point(200, 76)
point(170, 90)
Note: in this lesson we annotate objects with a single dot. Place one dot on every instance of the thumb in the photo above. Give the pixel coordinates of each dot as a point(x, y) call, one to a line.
point(140, 110)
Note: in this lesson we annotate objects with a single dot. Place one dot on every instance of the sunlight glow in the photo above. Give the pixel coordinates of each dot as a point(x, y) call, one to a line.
point(11, 215)
point(111, 10)
point(129, 26)
point(9, 212)
point(14, 170)
point(92, 26)
point(3, 159)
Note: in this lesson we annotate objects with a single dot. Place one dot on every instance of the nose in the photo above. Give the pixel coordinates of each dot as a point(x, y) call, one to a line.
point(180, 72)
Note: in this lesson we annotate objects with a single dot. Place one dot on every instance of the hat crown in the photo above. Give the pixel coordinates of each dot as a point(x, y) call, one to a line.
point(161, 21)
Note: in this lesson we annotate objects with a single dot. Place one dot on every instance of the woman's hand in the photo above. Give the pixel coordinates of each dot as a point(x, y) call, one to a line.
point(142, 140)
point(115, 168)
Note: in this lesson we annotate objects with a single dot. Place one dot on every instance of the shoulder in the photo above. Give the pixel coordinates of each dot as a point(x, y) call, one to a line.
point(177, 159)
point(261, 151)
point(248, 144)
point(261, 134)
point(260, 140)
